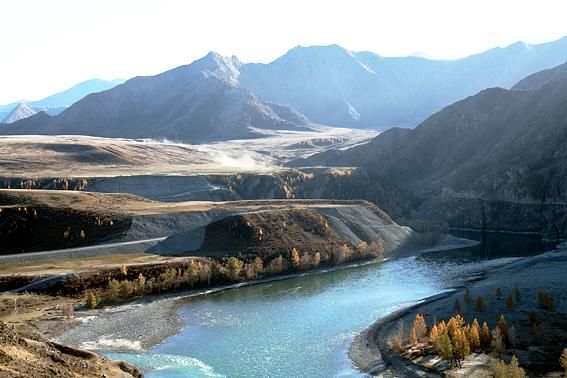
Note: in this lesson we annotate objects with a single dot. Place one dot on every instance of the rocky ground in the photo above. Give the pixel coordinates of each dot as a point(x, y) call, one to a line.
point(32, 355)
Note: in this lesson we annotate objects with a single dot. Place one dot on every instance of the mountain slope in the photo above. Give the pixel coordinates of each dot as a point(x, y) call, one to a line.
point(56, 103)
point(499, 144)
point(69, 96)
point(494, 161)
point(334, 86)
point(196, 102)
point(538, 79)
point(21, 111)
point(373, 152)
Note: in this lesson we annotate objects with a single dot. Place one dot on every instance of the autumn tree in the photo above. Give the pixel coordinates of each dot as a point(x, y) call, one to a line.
point(192, 274)
point(124, 270)
point(397, 339)
point(140, 284)
point(277, 265)
point(412, 336)
point(375, 248)
point(126, 289)
point(563, 360)
point(442, 327)
point(234, 267)
point(485, 336)
point(474, 336)
point(455, 323)
point(91, 300)
point(503, 370)
point(435, 338)
point(294, 258)
point(249, 272)
point(362, 248)
point(258, 265)
point(317, 259)
point(113, 290)
point(420, 327)
point(461, 347)
point(498, 341)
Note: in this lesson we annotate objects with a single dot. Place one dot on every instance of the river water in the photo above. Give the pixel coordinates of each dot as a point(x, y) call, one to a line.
point(302, 327)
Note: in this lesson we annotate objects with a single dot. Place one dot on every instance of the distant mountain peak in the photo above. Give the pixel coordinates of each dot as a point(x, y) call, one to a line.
point(222, 67)
point(21, 111)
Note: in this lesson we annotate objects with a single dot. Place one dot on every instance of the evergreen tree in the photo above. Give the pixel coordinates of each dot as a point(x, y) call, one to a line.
point(518, 296)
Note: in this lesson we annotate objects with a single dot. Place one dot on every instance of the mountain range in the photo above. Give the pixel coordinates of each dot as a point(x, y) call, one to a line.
point(56, 103)
point(196, 102)
point(499, 144)
point(495, 160)
point(218, 98)
point(21, 111)
point(337, 87)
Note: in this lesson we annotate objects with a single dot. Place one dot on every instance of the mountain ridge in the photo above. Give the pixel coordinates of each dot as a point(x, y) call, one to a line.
point(195, 102)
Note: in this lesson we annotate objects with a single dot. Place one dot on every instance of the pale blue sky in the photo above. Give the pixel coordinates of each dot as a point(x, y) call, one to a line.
point(48, 45)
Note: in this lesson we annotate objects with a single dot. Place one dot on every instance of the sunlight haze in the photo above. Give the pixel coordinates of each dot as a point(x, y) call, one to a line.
point(51, 45)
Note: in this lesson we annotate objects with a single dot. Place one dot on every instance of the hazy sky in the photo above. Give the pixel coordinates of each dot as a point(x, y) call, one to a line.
point(49, 45)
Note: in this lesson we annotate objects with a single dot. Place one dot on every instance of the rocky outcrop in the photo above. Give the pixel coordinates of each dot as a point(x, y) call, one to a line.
point(21, 357)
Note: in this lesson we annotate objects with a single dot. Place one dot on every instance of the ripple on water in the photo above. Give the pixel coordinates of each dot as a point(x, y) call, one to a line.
point(167, 365)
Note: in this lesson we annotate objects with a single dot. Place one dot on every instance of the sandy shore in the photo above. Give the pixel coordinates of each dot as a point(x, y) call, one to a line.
point(370, 350)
